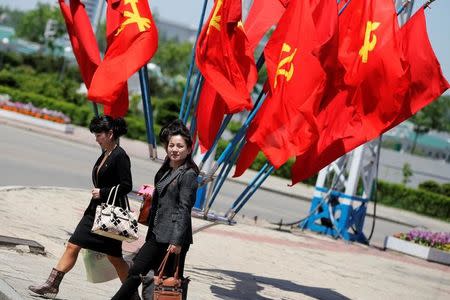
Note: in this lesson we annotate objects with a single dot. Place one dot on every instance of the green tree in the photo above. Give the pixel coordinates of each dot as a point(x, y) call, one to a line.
point(101, 36)
point(407, 173)
point(173, 57)
point(10, 17)
point(433, 116)
point(33, 23)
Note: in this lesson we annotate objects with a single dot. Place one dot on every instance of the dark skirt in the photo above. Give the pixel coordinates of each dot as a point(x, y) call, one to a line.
point(84, 238)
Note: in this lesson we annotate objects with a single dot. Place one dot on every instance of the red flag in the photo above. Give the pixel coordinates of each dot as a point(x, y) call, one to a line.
point(364, 26)
point(225, 59)
point(285, 125)
point(82, 38)
point(427, 81)
point(385, 95)
point(210, 112)
point(132, 41)
point(262, 16)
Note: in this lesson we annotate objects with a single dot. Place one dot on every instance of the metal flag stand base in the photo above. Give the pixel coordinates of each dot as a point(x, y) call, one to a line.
point(210, 216)
point(337, 210)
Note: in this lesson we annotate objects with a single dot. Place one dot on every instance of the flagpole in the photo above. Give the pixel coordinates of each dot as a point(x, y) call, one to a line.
point(191, 65)
point(258, 183)
point(427, 4)
point(148, 112)
point(95, 107)
point(220, 180)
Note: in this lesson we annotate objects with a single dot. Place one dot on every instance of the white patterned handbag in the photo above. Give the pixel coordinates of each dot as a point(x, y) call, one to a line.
point(114, 221)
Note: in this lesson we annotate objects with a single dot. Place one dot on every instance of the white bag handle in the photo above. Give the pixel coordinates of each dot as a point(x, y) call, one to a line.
point(116, 188)
point(115, 195)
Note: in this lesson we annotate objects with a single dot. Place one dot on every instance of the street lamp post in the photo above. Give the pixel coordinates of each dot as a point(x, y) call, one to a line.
point(67, 50)
point(5, 46)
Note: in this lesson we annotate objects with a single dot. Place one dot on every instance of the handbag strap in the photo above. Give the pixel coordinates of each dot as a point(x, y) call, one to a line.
point(110, 193)
point(113, 202)
point(163, 266)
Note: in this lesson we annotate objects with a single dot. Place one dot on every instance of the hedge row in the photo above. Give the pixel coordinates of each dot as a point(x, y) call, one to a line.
point(79, 115)
point(137, 130)
point(419, 201)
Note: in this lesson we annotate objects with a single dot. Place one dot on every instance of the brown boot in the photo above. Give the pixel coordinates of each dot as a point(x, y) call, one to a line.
point(51, 287)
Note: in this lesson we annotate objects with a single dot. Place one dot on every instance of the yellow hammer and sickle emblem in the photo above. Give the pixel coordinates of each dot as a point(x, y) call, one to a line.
point(286, 73)
point(368, 43)
point(133, 16)
point(215, 20)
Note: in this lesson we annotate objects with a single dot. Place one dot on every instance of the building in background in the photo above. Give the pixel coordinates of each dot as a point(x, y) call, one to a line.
point(95, 10)
point(435, 145)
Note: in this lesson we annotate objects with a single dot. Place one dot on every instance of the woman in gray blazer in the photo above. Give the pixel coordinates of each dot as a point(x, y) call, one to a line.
point(170, 227)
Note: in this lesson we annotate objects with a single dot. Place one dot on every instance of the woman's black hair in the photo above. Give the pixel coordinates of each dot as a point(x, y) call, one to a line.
point(106, 123)
point(176, 127)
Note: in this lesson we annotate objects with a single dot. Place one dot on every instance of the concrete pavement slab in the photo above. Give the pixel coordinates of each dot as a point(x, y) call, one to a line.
point(243, 261)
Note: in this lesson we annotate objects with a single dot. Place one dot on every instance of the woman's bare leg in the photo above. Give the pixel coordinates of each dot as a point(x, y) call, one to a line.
point(69, 258)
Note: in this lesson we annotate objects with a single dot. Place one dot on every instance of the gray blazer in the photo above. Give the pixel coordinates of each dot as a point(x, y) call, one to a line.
point(170, 216)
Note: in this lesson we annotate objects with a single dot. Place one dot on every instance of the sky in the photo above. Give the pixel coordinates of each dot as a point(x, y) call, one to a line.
point(188, 12)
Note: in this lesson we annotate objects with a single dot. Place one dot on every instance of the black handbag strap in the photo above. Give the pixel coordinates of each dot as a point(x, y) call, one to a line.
point(163, 266)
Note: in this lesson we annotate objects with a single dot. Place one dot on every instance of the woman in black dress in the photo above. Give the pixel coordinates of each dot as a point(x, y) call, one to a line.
point(111, 169)
point(170, 227)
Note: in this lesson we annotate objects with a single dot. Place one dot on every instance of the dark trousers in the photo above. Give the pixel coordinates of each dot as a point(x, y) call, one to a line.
point(148, 258)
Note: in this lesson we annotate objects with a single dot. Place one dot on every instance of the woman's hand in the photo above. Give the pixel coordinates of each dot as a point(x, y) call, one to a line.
point(96, 193)
point(174, 249)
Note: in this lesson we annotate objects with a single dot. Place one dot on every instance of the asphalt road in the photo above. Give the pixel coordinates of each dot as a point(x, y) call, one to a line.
point(32, 159)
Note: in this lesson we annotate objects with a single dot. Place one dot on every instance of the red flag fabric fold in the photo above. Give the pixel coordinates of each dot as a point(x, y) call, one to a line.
point(426, 79)
point(132, 41)
point(225, 59)
point(396, 81)
point(286, 126)
point(82, 38)
point(262, 16)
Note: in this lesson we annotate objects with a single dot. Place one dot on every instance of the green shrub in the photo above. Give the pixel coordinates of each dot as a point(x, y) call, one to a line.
point(234, 127)
point(8, 79)
point(167, 111)
point(431, 186)
point(221, 145)
point(445, 189)
point(137, 129)
point(285, 170)
point(419, 201)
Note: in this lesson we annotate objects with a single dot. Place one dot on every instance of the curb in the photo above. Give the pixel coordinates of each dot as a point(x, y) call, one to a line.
point(265, 188)
point(7, 292)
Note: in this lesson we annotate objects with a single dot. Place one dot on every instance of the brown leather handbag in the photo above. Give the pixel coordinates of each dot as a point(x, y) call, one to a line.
point(169, 288)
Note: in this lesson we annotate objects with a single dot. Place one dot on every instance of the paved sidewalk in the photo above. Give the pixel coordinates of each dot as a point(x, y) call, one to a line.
point(226, 262)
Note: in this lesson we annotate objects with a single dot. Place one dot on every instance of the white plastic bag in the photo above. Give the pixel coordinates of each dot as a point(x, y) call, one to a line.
point(98, 267)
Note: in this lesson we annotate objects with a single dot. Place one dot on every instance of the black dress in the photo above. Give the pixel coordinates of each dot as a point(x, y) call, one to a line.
point(115, 170)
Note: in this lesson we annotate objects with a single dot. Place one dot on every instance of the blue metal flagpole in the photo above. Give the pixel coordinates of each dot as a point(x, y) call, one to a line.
point(95, 107)
point(224, 125)
point(194, 96)
point(148, 112)
point(247, 188)
point(191, 66)
point(226, 168)
point(251, 192)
